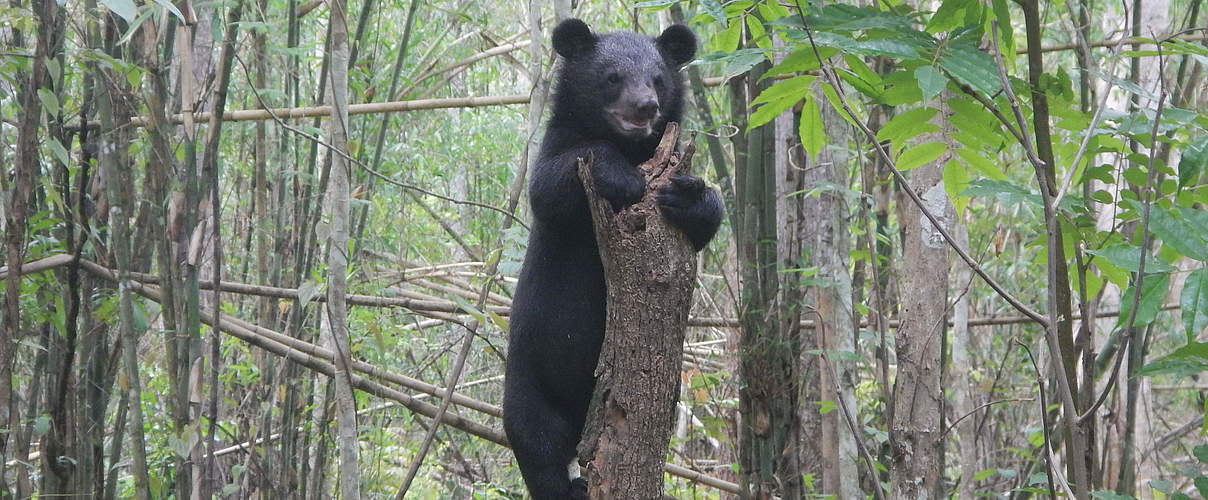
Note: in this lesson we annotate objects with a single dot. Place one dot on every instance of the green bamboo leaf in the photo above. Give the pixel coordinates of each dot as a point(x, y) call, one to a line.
point(59, 152)
point(908, 125)
point(813, 138)
point(1194, 303)
point(49, 101)
point(921, 155)
point(124, 8)
point(931, 81)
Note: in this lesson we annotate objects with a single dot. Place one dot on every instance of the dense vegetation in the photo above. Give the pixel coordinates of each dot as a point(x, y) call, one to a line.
point(964, 253)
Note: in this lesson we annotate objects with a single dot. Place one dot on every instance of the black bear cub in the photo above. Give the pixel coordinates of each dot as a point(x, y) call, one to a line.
point(615, 94)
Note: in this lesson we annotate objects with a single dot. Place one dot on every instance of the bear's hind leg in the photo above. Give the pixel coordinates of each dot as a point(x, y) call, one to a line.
point(544, 441)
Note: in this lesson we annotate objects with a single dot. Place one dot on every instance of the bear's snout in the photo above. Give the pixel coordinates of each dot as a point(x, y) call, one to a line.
point(648, 109)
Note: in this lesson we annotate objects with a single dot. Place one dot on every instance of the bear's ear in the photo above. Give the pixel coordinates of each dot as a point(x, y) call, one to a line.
point(572, 38)
point(678, 43)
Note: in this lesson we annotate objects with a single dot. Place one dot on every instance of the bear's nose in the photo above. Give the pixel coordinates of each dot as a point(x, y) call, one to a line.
point(648, 108)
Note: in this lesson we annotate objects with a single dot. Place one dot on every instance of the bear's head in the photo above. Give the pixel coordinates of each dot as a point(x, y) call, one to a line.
point(620, 85)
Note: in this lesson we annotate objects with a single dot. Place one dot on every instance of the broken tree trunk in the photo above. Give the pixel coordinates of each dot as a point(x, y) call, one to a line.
point(649, 270)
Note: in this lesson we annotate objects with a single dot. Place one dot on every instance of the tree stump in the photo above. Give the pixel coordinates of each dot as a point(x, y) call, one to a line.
point(649, 270)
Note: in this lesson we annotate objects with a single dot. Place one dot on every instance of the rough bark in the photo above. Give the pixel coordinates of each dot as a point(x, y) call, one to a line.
point(918, 399)
point(649, 269)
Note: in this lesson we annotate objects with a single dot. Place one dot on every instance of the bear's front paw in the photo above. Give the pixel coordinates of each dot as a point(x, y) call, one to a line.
point(621, 188)
point(679, 196)
point(691, 206)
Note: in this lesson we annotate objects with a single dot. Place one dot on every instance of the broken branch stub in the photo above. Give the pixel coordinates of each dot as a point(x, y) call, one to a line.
point(649, 270)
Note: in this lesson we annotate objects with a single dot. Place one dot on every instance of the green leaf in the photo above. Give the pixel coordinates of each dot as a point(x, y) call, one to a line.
point(713, 8)
point(727, 39)
point(1191, 350)
point(825, 407)
point(769, 111)
point(861, 85)
point(835, 103)
point(124, 8)
point(795, 88)
point(1004, 25)
point(1153, 291)
point(1201, 453)
point(1194, 303)
point(921, 155)
point(758, 35)
point(949, 16)
point(49, 101)
point(41, 425)
point(1178, 233)
point(956, 180)
point(813, 138)
point(981, 164)
point(800, 60)
point(1195, 158)
point(985, 473)
point(1201, 484)
point(908, 125)
point(59, 152)
point(1174, 367)
point(931, 81)
point(170, 7)
point(1128, 257)
point(973, 68)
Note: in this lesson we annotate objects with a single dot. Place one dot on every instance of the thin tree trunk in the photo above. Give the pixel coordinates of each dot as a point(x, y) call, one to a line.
point(829, 246)
point(116, 174)
point(918, 397)
point(336, 212)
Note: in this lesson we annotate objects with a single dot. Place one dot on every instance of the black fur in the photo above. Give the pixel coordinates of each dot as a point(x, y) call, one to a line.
point(615, 94)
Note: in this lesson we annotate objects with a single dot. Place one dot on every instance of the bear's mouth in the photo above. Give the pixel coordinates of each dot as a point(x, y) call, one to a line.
point(639, 127)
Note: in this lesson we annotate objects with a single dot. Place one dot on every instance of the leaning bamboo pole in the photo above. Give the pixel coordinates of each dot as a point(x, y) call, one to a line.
point(320, 360)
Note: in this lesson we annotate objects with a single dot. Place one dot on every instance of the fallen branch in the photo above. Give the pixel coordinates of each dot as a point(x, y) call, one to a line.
point(318, 359)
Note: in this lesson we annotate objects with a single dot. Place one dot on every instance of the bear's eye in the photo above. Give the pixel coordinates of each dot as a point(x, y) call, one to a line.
point(614, 78)
point(659, 82)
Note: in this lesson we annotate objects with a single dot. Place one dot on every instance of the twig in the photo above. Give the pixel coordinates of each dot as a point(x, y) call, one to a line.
point(975, 410)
